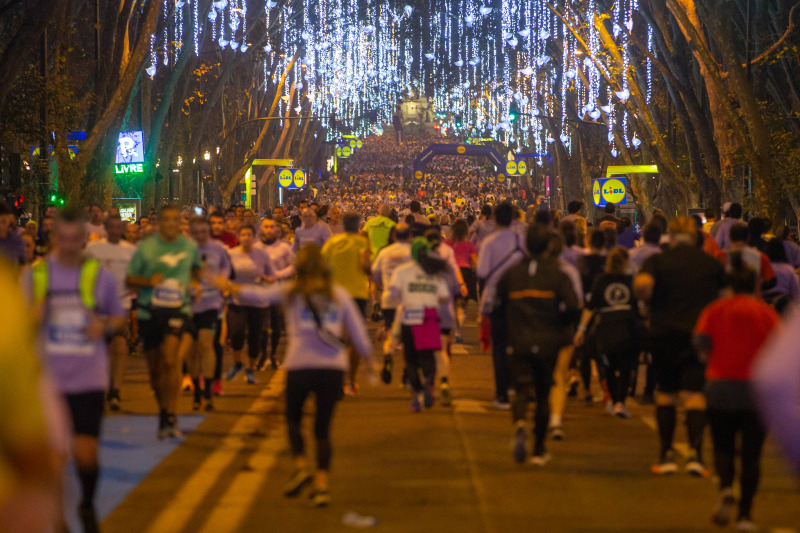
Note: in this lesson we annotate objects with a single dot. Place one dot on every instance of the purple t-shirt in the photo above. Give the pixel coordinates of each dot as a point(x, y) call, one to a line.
point(77, 363)
point(317, 234)
point(216, 262)
point(247, 269)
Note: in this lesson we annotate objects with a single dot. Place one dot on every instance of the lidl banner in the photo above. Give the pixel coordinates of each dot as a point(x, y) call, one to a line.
point(516, 168)
point(292, 178)
point(609, 191)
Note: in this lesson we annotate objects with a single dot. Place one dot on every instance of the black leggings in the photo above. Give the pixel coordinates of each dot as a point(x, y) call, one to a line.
point(271, 330)
point(417, 360)
point(536, 371)
point(725, 425)
point(249, 319)
point(218, 351)
point(618, 360)
point(326, 385)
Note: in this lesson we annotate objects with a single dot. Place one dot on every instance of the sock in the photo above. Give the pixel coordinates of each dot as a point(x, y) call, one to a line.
point(695, 424)
point(88, 477)
point(555, 421)
point(665, 416)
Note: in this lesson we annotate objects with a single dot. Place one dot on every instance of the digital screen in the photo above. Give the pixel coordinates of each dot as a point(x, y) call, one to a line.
point(130, 148)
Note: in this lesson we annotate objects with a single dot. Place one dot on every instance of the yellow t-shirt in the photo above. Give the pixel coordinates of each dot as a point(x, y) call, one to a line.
point(23, 424)
point(343, 253)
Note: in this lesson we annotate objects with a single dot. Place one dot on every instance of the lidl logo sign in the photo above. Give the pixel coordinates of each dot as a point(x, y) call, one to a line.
point(292, 178)
point(343, 152)
point(516, 168)
point(461, 149)
point(418, 174)
point(609, 191)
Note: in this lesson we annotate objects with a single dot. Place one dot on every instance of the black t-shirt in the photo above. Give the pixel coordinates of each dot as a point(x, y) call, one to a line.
point(612, 297)
point(686, 280)
point(591, 266)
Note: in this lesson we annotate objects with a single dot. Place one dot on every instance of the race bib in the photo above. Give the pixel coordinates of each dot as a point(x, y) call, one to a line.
point(66, 328)
point(413, 316)
point(169, 294)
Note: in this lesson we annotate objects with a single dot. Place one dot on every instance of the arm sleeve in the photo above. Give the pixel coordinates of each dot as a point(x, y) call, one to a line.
point(135, 268)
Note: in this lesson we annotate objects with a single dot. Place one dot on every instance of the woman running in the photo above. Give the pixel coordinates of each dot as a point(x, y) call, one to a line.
point(731, 332)
point(616, 326)
point(467, 259)
point(319, 314)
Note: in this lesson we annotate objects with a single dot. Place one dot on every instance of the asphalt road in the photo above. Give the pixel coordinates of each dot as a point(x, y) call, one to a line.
point(445, 469)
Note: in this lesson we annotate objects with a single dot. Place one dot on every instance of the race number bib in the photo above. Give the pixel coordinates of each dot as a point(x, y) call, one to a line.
point(169, 294)
point(66, 328)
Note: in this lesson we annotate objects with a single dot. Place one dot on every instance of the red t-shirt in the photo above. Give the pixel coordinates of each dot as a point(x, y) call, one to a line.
point(737, 327)
point(464, 251)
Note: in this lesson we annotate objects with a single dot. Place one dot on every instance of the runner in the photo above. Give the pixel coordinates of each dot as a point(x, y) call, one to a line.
point(387, 261)
point(497, 253)
point(283, 259)
point(319, 315)
point(251, 266)
point(534, 301)
point(678, 283)
point(207, 311)
point(420, 287)
point(729, 334)
point(162, 269)
point(348, 256)
point(80, 306)
point(115, 254)
point(310, 232)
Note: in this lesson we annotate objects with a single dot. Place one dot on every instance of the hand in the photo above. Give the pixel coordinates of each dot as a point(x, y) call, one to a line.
point(196, 289)
point(464, 291)
point(95, 329)
point(579, 338)
point(269, 279)
point(156, 279)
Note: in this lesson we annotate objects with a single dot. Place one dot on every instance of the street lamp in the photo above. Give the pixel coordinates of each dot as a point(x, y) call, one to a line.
point(207, 155)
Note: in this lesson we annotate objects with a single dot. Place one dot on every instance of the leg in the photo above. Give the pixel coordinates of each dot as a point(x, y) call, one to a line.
point(237, 326)
point(206, 359)
point(543, 370)
point(276, 325)
point(255, 321)
point(218, 351)
point(327, 388)
point(499, 357)
point(724, 426)
point(753, 436)
point(558, 395)
point(298, 383)
point(412, 359)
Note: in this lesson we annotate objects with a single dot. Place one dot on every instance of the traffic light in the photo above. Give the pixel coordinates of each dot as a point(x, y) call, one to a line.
point(56, 199)
point(458, 120)
point(513, 112)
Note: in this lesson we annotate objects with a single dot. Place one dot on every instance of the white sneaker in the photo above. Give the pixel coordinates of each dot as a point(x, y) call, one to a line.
point(541, 459)
point(745, 524)
point(501, 405)
point(621, 410)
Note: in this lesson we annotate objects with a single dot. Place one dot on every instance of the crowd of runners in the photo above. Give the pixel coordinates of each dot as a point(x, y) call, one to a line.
point(568, 304)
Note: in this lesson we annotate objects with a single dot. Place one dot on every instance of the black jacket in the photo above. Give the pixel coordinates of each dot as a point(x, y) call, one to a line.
point(538, 304)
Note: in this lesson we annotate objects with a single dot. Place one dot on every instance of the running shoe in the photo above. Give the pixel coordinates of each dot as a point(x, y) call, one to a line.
point(216, 388)
point(695, 467)
point(196, 404)
point(319, 498)
point(297, 483)
point(621, 410)
point(187, 385)
point(444, 392)
point(262, 363)
point(113, 400)
point(540, 459)
point(459, 339)
point(386, 371)
point(351, 390)
point(723, 511)
point(250, 375)
point(609, 406)
point(209, 406)
point(428, 396)
point(745, 524)
point(172, 426)
point(501, 404)
point(414, 408)
point(163, 427)
point(666, 465)
point(273, 363)
point(88, 518)
point(557, 433)
point(588, 399)
point(519, 451)
point(573, 388)
point(234, 371)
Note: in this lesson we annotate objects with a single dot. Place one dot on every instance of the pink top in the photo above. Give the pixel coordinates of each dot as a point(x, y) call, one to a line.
point(464, 251)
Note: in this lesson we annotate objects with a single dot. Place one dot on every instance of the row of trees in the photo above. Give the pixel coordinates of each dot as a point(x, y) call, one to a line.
point(81, 65)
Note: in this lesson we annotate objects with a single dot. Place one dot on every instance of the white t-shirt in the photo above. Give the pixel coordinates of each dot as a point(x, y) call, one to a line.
point(416, 291)
point(116, 258)
point(98, 231)
point(386, 262)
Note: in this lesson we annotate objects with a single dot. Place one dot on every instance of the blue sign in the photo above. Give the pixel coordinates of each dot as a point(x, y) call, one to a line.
point(609, 191)
point(292, 178)
point(637, 228)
